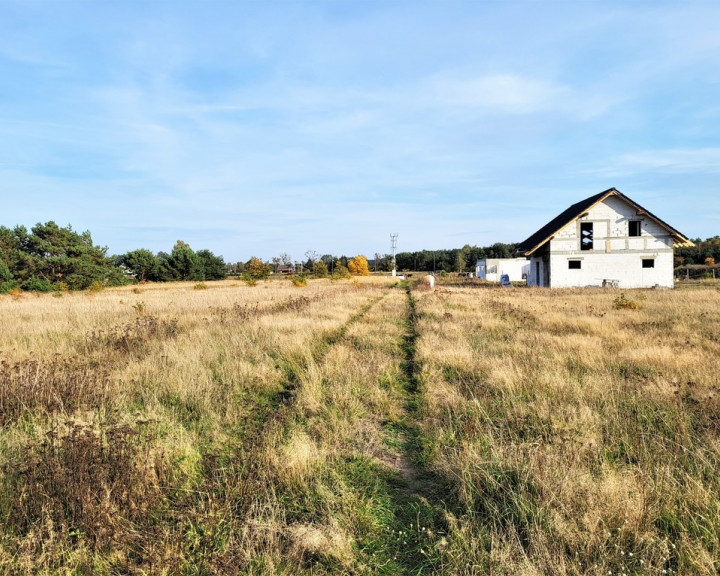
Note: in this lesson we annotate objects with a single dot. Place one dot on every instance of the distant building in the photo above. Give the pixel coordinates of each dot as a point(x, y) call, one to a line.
point(288, 269)
point(491, 269)
point(605, 240)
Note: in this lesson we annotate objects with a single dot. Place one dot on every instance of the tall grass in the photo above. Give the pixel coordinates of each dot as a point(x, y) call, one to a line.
point(358, 428)
point(580, 437)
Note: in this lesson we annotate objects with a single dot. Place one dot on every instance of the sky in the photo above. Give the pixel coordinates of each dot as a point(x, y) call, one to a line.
point(257, 128)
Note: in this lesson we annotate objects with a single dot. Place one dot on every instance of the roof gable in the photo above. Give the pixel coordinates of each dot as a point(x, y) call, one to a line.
point(547, 232)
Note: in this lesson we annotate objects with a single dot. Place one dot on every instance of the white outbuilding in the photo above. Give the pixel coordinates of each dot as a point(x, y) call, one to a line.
point(491, 269)
point(605, 240)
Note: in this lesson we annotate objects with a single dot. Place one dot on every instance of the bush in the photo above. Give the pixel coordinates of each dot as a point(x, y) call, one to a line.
point(7, 287)
point(340, 272)
point(35, 284)
point(249, 279)
point(299, 280)
point(623, 302)
point(320, 269)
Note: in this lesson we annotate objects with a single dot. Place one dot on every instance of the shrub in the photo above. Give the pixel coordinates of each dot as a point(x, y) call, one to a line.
point(622, 302)
point(299, 280)
point(340, 272)
point(35, 284)
point(16, 293)
point(249, 279)
point(7, 287)
point(320, 269)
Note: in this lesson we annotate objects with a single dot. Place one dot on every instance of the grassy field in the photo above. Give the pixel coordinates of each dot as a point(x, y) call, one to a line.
point(360, 427)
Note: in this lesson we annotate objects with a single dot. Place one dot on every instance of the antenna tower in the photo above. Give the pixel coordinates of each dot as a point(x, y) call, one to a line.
point(393, 243)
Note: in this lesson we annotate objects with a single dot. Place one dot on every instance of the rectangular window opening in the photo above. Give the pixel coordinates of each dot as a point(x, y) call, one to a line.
point(586, 235)
point(648, 263)
point(574, 264)
point(634, 228)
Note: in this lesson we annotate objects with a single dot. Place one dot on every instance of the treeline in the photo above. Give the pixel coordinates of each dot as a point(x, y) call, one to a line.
point(704, 252)
point(453, 260)
point(183, 263)
point(50, 258)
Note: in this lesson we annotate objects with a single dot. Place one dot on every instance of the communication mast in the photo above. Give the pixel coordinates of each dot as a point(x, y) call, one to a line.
point(393, 242)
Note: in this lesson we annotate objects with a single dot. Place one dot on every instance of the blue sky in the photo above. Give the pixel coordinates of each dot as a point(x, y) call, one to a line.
point(255, 128)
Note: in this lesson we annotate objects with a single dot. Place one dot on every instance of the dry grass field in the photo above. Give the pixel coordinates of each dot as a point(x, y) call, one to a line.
point(360, 427)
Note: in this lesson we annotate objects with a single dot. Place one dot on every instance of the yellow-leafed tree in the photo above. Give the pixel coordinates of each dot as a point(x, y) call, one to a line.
point(358, 266)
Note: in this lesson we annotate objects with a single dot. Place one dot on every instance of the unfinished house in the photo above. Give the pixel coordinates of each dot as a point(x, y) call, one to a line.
point(605, 240)
point(491, 269)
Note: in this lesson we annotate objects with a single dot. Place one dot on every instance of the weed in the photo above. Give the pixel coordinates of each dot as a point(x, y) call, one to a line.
point(94, 483)
point(200, 286)
point(299, 280)
point(622, 302)
point(134, 337)
point(50, 387)
point(249, 280)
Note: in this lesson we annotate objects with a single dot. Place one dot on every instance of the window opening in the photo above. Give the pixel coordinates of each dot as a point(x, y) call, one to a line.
point(648, 263)
point(574, 264)
point(634, 228)
point(586, 235)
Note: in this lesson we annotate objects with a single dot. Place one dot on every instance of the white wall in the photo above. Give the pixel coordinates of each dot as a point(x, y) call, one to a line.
point(615, 255)
point(535, 272)
point(492, 268)
point(625, 269)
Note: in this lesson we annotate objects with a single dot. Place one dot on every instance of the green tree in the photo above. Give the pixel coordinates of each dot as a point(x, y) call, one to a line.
point(184, 264)
point(141, 263)
point(340, 271)
point(50, 256)
point(459, 262)
point(6, 279)
point(165, 272)
point(320, 269)
point(213, 266)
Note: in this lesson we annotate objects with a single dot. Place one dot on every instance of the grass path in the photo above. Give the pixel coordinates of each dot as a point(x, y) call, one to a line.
point(417, 493)
point(348, 464)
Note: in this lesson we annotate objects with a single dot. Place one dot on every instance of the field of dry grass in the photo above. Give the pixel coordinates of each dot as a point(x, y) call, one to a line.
point(579, 436)
point(359, 428)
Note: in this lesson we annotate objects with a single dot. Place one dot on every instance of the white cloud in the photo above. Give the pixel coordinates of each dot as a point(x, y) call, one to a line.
point(509, 93)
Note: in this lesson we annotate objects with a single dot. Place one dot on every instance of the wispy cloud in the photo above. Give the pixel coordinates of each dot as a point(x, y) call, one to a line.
point(672, 161)
point(245, 129)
